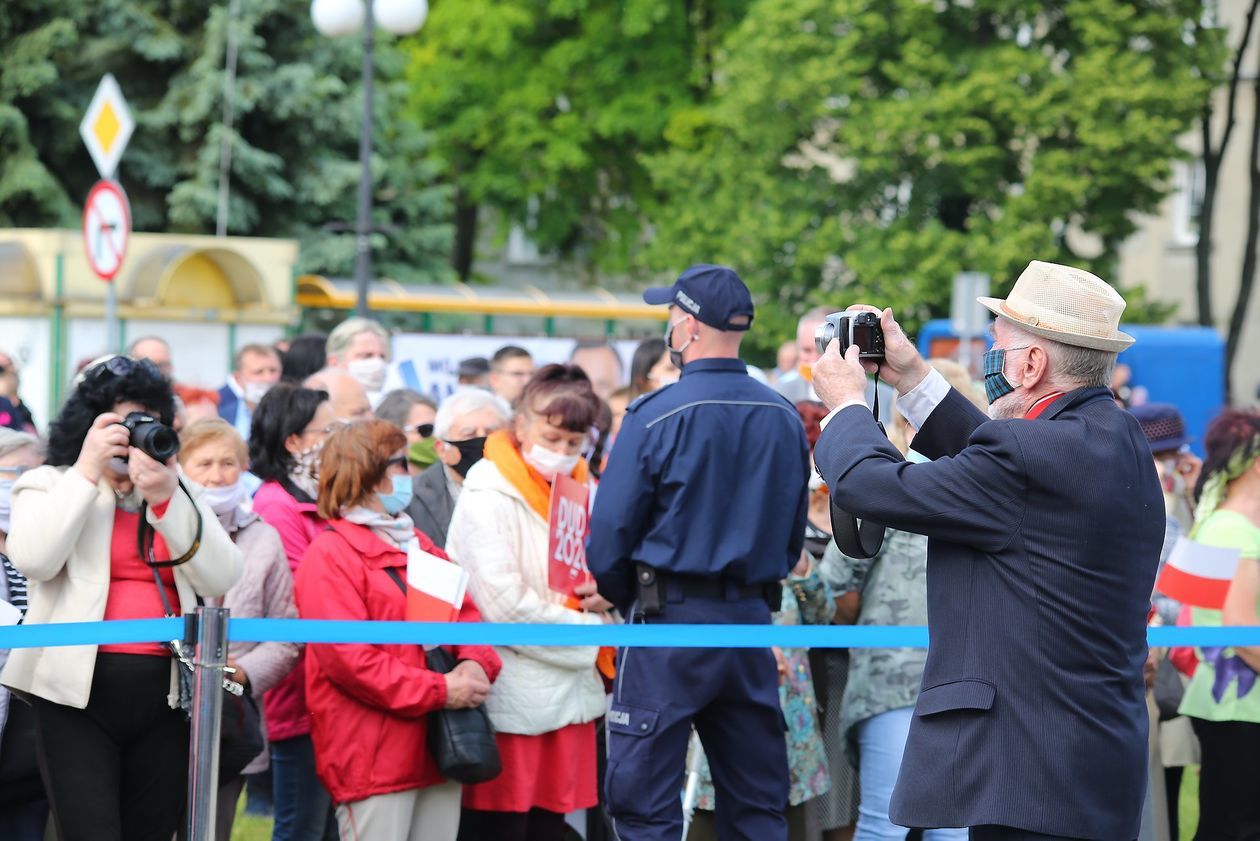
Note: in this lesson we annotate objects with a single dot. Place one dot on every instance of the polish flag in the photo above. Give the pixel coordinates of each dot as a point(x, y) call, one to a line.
point(1197, 574)
point(435, 588)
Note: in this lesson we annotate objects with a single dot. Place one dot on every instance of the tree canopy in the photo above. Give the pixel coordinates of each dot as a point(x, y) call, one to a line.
point(297, 115)
point(871, 149)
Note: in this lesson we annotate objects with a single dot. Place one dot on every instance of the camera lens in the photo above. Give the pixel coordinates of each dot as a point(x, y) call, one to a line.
point(155, 439)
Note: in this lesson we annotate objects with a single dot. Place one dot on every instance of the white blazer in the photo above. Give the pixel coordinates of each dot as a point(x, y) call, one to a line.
point(502, 543)
point(60, 539)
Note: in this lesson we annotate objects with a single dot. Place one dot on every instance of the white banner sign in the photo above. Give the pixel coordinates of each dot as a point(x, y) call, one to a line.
point(429, 364)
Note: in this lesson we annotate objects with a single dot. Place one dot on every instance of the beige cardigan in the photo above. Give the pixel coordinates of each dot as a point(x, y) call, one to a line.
point(60, 539)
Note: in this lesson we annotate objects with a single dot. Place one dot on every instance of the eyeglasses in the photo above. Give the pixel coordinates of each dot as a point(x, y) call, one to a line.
point(399, 461)
point(424, 430)
point(324, 430)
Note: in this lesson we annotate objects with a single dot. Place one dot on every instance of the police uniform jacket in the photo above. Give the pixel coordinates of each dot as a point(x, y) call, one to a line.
point(1044, 536)
point(707, 478)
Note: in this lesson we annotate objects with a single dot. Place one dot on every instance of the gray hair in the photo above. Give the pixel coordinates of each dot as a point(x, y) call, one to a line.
point(1070, 365)
point(396, 405)
point(12, 441)
point(467, 400)
point(341, 336)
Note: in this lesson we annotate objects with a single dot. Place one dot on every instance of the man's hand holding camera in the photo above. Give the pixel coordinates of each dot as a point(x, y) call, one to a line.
point(840, 374)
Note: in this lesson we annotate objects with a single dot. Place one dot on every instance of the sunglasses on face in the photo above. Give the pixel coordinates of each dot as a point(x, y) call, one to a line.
point(424, 430)
point(399, 461)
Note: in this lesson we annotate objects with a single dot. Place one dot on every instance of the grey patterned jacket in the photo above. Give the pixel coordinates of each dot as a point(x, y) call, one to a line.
point(893, 586)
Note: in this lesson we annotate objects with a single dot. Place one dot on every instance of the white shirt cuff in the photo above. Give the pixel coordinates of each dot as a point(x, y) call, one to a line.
point(846, 404)
point(919, 402)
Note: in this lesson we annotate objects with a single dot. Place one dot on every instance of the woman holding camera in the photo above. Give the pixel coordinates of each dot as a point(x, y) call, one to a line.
point(213, 455)
point(112, 741)
point(370, 704)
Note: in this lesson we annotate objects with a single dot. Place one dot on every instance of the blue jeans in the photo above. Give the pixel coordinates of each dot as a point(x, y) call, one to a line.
point(881, 742)
point(303, 805)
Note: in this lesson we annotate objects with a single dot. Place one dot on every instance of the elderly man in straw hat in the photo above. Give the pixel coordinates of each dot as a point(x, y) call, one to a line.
point(1045, 521)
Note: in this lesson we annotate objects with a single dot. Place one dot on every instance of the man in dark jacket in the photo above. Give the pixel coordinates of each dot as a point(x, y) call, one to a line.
point(1045, 526)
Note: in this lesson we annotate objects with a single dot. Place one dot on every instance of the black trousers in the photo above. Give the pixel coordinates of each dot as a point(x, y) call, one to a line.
point(1229, 782)
point(117, 770)
point(534, 825)
point(993, 832)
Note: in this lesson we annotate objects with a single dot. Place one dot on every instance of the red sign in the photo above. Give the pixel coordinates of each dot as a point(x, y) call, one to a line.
point(566, 545)
point(106, 228)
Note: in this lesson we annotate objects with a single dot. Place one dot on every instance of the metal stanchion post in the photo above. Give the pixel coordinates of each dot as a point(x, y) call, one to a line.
point(203, 757)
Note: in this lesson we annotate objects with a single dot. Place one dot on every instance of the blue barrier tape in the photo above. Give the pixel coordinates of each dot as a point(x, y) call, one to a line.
point(460, 633)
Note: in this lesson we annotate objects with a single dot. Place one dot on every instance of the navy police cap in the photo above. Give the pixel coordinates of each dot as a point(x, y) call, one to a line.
point(713, 294)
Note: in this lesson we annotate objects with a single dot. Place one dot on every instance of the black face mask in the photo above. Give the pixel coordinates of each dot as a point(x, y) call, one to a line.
point(470, 452)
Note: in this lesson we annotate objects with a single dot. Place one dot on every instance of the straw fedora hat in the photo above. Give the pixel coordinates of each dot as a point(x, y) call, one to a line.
point(1064, 304)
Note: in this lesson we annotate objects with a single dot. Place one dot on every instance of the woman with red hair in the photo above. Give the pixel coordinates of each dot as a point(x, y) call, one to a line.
point(369, 704)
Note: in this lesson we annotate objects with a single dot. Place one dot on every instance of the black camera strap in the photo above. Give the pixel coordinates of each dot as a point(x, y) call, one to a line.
point(145, 535)
point(859, 539)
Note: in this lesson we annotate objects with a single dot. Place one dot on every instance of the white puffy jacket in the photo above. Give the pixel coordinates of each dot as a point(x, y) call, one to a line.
point(502, 543)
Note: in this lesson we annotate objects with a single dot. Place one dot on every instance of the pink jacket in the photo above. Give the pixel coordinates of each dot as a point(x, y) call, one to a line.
point(298, 524)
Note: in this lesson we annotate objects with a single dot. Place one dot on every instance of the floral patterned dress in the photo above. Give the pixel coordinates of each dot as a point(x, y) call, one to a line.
point(806, 601)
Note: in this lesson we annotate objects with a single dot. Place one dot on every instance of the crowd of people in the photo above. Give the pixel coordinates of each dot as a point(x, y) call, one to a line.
point(300, 489)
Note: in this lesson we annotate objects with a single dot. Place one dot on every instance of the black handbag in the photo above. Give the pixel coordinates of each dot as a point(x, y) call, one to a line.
point(461, 741)
point(1168, 689)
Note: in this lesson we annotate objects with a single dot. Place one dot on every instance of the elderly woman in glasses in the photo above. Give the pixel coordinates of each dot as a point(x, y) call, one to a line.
point(112, 742)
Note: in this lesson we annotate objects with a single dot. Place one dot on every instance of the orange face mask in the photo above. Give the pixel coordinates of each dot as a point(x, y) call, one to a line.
point(807, 373)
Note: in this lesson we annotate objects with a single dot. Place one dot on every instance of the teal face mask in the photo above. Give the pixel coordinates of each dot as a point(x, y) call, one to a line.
point(397, 500)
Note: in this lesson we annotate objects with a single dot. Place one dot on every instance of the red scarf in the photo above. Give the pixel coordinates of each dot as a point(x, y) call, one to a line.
point(1035, 411)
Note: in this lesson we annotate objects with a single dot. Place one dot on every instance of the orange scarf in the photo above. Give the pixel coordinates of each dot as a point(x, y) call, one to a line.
point(503, 453)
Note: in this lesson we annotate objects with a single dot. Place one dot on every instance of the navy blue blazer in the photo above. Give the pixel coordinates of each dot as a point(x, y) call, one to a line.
point(1044, 541)
point(227, 404)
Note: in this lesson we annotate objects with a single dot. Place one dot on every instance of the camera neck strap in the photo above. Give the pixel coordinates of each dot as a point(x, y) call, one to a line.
point(145, 536)
point(858, 539)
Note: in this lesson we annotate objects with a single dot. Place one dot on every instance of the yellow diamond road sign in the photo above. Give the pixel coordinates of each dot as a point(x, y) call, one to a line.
point(107, 126)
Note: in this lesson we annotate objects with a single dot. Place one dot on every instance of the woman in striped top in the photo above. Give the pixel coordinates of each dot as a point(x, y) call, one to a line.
point(25, 809)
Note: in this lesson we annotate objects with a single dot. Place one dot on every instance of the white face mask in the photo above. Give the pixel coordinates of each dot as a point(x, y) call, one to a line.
point(118, 466)
point(254, 392)
point(226, 499)
point(369, 372)
point(550, 463)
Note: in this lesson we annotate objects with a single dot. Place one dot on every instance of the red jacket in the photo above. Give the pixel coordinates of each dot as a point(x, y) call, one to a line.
point(298, 523)
point(369, 703)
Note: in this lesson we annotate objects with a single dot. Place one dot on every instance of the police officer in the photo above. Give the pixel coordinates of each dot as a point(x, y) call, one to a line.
point(700, 513)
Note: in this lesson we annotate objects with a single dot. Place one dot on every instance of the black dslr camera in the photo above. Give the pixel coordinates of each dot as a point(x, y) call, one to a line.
point(151, 436)
point(859, 328)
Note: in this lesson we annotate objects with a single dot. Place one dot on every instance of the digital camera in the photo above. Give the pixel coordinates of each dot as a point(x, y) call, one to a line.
point(852, 328)
point(151, 436)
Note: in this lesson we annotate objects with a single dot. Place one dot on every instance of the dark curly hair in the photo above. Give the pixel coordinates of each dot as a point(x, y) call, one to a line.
point(103, 386)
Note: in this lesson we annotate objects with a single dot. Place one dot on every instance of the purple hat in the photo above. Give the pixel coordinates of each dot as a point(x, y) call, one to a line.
point(1163, 426)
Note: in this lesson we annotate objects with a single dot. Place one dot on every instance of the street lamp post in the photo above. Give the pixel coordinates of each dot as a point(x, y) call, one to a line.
point(345, 17)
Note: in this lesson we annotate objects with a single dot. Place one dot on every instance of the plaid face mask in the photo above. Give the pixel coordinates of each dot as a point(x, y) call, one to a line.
point(996, 385)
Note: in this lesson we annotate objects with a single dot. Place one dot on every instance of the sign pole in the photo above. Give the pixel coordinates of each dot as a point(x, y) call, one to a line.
point(111, 319)
point(106, 128)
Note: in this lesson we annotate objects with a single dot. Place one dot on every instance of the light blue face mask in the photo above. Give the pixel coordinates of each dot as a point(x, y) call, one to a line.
point(397, 500)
